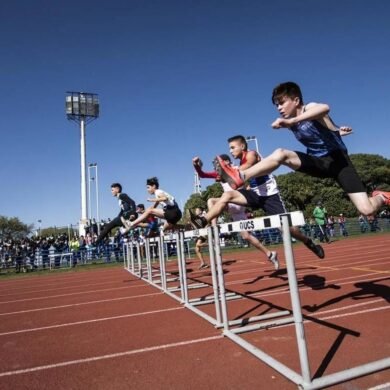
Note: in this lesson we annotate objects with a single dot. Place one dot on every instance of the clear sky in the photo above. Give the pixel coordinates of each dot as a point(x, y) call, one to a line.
point(175, 80)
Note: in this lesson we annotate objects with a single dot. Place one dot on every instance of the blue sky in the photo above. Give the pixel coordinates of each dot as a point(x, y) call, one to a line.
point(175, 80)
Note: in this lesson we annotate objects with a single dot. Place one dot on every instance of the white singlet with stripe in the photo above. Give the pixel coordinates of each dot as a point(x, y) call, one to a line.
point(263, 185)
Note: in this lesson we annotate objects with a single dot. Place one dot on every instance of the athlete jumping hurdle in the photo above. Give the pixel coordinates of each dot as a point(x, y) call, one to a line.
point(263, 193)
point(170, 210)
point(326, 156)
point(127, 212)
point(237, 212)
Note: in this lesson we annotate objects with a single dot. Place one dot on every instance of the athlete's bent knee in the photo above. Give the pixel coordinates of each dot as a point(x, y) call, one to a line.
point(280, 155)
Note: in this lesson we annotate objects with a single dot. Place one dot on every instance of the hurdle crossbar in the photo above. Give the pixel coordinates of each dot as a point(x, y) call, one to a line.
point(302, 379)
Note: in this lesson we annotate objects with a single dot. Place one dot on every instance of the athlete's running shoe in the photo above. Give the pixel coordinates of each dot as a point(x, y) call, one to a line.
point(385, 195)
point(123, 230)
point(273, 258)
point(316, 249)
point(227, 173)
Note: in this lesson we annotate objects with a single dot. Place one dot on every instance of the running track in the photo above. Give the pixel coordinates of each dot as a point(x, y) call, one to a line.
point(104, 329)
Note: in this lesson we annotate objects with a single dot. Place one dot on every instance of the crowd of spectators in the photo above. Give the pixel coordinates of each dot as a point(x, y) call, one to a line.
point(50, 252)
point(28, 254)
point(342, 227)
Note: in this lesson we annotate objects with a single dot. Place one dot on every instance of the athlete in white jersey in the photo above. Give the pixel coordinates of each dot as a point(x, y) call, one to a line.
point(170, 210)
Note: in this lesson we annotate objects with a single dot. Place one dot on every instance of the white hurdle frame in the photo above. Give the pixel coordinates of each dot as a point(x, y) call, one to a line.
point(220, 296)
point(303, 379)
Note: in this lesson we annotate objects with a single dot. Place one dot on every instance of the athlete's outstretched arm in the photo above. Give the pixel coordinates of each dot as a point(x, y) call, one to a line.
point(312, 111)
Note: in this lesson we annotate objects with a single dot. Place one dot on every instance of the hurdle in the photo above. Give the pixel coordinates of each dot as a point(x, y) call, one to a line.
point(184, 286)
point(162, 278)
point(192, 303)
point(303, 378)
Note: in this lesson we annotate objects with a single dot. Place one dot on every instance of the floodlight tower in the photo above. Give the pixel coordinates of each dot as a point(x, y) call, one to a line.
point(197, 186)
point(82, 107)
point(253, 138)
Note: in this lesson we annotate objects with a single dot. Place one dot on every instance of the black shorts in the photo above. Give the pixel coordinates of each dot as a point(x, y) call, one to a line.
point(271, 205)
point(172, 214)
point(336, 165)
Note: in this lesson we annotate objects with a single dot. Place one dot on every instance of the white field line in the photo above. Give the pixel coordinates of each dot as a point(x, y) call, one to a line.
point(79, 276)
point(90, 321)
point(79, 304)
point(353, 313)
point(111, 356)
point(322, 267)
point(56, 288)
point(286, 290)
point(68, 295)
point(384, 386)
point(149, 349)
point(332, 281)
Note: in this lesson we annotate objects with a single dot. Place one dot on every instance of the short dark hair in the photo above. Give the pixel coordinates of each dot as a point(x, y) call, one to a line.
point(116, 185)
point(239, 138)
point(153, 181)
point(141, 206)
point(289, 89)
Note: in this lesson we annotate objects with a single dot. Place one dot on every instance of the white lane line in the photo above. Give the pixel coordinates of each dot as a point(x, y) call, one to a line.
point(355, 313)
point(68, 287)
point(384, 386)
point(90, 321)
point(50, 277)
point(68, 295)
point(285, 290)
point(366, 303)
point(79, 304)
point(111, 356)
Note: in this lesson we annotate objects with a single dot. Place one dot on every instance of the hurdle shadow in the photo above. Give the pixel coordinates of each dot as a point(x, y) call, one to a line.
point(343, 332)
point(259, 302)
point(228, 262)
point(366, 290)
point(274, 274)
point(280, 273)
point(315, 282)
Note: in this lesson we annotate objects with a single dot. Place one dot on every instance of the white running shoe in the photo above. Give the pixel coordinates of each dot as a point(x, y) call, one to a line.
point(123, 230)
point(273, 258)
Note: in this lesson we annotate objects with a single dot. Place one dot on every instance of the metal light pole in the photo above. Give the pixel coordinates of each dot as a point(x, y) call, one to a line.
point(253, 138)
point(197, 186)
point(39, 227)
point(89, 194)
point(82, 108)
point(94, 177)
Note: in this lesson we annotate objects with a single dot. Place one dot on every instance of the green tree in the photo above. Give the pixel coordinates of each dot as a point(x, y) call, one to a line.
point(302, 192)
point(13, 228)
point(373, 169)
point(214, 190)
point(54, 231)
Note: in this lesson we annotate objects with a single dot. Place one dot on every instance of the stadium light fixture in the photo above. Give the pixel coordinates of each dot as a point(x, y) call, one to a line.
point(82, 107)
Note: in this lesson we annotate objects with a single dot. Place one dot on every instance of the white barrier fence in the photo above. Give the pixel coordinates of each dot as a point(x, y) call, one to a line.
point(175, 281)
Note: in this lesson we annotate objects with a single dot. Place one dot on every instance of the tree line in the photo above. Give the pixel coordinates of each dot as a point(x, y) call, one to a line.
point(299, 192)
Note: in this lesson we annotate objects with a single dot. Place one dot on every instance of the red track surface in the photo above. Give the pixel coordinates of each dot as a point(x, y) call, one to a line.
point(107, 330)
